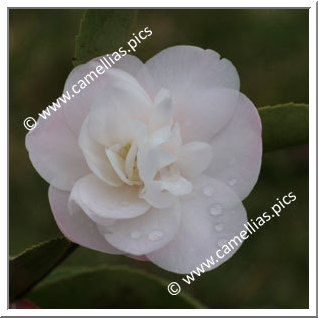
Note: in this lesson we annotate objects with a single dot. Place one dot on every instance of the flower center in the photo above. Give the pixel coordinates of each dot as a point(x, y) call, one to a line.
point(124, 162)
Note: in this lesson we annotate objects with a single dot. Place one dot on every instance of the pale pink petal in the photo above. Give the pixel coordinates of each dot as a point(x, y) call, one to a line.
point(203, 113)
point(174, 142)
point(211, 215)
point(156, 196)
point(237, 150)
point(162, 114)
point(152, 162)
point(145, 233)
point(118, 113)
point(130, 64)
point(194, 158)
point(92, 83)
point(148, 83)
point(54, 152)
point(96, 159)
point(184, 69)
point(96, 197)
point(77, 227)
point(175, 184)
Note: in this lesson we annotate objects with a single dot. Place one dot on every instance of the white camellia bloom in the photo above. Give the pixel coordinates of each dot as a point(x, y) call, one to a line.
point(152, 160)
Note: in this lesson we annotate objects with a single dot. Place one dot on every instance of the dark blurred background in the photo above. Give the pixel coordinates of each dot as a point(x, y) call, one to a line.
point(270, 51)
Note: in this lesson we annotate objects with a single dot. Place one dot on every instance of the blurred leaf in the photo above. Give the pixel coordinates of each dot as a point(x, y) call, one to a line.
point(107, 287)
point(284, 125)
point(29, 267)
point(103, 31)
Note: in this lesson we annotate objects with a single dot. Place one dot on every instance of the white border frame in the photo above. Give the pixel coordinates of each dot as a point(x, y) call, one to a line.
point(312, 163)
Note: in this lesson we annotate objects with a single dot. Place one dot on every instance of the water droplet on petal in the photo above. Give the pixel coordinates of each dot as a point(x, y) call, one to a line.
point(222, 242)
point(216, 209)
point(155, 235)
point(232, 182)
point(219, 227)
point(208, 191)
point(135, 234)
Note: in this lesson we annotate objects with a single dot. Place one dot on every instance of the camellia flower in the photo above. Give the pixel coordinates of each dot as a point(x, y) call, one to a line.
point(152, 160)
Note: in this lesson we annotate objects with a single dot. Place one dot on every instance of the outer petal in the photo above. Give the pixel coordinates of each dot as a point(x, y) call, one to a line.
point(237, 149)
point(54, 152)
point(202, 113)
point(77, 227)
point(76, 110)
point(184, 69)
point(148, 82)
point(98, 198)
point(145, 233)
point(130, 64)
point(139, 257)
point(213, 213)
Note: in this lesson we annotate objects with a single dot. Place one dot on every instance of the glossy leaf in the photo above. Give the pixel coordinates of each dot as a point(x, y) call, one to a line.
point(107, 287)
point(32, 265)
point(284, 125)
point(102, 32)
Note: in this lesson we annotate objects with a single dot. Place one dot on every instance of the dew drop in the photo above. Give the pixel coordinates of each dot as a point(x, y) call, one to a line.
point(232, 182)
point(219, 227)
point(216, 209)
point(135, 234)
point(155, 235)
point(208, 191)
point(222, 242)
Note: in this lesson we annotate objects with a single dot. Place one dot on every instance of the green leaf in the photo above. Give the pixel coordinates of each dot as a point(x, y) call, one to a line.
point(103, 31)
point(284, 125)
point(32, 265)
point(107, 287)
